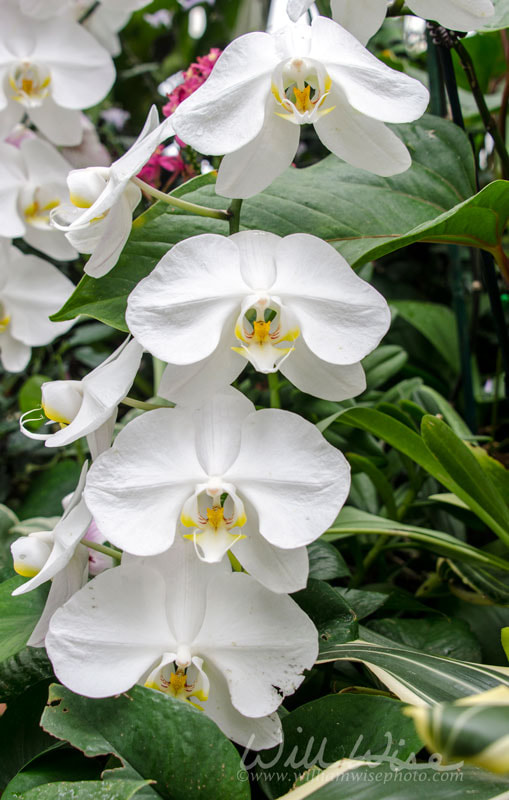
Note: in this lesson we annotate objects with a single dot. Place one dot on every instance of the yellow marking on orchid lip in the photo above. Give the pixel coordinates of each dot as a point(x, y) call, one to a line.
point(326, 111)
point(303, 100)
point(152, 685)
point(284, 116)
point(187, 521)
point(25, 570)
point(290, 336)
point(201, 696)
point(55, 416)
point(239, 332)
point(241, 521)
point(79, 202)
point(51, 205)
point(4, 323)
point(275, 92)
point(32, 209)
point(27, 85)
point(327, 84)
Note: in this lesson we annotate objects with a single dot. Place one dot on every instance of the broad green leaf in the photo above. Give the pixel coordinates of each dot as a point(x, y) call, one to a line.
point(418, 677)
point(21, 736)
point(474, 729)
point(352, 521)
point(435, 635)
point(469, 481)
point(326, 562)
point(336, 726)
point(436, 323)
point(86, 790)
point(349, 779)
point(383, 363)
point(362, 602)
point(362, 214)
point(48, 488)
point(18, 615)
point(382, 485)
point(334, 619)
point(433, 402)
point(29, 666)
point(498, 474)
point(161, 738)
point(60, 764)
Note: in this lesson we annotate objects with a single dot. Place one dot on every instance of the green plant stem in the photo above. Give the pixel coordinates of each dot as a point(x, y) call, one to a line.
point(234, 212)
point(102, 548)
point(132, 403)
point(184, 205)
point(275, 400)
point(486, 116)
point(158, 368)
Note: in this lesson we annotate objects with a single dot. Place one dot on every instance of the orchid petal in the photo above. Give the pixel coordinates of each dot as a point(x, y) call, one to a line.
point(61, 125)
point(192, 384)
point(459, 15)
point(255, 659)
point(218, 430)
point(257, 734)
point(363, 18)
point(362, 141)
point(115, 234)
point(12, 178)
point(63, 586)
point(136, 490)
point(320, 378)
point(369, 85)
point(341, 317)
point(253, 167)
point(111, 632)
point(296, 8)
point(257, 257)
point(296, 499)
point(236, 90)
point(179, 310)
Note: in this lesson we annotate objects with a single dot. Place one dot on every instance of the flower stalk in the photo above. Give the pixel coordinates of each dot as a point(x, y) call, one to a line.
point(184, 205)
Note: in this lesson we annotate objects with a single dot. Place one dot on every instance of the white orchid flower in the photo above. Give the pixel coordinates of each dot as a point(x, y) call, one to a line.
point(31, 289)
point(55, 555)
point(199, 633)
point(364, 18)
point(263, 483)
point(265, 86)
point(49, 69)
point(291, 303)
point(88, 407)
point(33, 182)
point(99, 218)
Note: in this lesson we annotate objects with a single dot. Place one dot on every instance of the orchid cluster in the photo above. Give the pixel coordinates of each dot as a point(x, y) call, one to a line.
point(208, 503)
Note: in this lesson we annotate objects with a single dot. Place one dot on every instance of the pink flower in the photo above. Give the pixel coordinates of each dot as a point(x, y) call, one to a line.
point(196, 74)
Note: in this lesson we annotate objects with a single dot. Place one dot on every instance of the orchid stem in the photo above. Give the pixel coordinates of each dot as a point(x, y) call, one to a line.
point(234, 212)
point(158, 368)
point(132, 403)
point(102, 548)
point(184, 205)
point(275, 400)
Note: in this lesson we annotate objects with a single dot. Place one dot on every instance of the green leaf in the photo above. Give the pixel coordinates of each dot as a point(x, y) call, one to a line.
point(505, 641)
point(353, 521)
point(418, 677)
point(161, 738)
point(23, 670)
point(60, 764)
point(362, 214)
point(433, 402)
point(487, 585)
point(18, 615)
point(22, 738)
point(326, 562)
point(336, 726)
point(48, 488)
point(334, 619)
point(349, 779)
point(383, 363)
point(474, 729)
point(470, 482)
point(362, 602)
point(435, 635)
point(86, 790)
point(8, 520)
point(437, 324)
point(380, 482)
